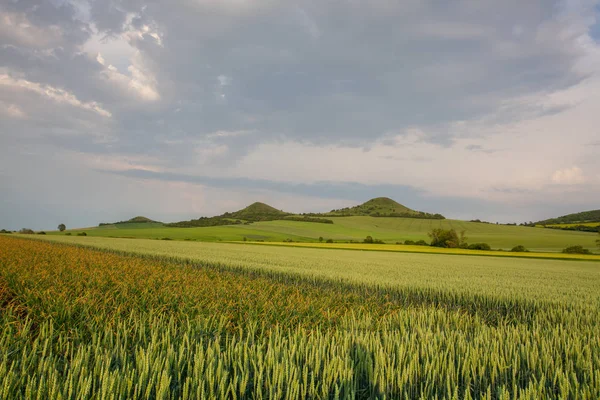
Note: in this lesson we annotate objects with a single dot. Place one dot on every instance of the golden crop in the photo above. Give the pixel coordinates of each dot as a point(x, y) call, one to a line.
point(79, 323)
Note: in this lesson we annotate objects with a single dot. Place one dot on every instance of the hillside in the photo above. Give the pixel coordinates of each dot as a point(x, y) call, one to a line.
point(256, 212)
point(585, 216)
point(345, 229)
point(253, 213)
point(586, 221)
point(135, 220)
point(381, 207)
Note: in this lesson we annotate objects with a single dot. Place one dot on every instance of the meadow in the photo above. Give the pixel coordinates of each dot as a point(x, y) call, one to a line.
point(390, 230)
point(86, 318)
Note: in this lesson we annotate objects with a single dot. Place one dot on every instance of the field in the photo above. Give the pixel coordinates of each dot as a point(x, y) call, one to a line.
point(214, 320)
point(391, 230)
point(593, 224)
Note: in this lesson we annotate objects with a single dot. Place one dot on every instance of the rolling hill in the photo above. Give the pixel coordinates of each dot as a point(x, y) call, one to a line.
point(580, 217)
point(381, 207)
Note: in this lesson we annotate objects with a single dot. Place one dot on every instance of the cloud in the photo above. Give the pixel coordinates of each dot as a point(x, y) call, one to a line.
point(568, 176)
point(428, 102)
point(56, 94)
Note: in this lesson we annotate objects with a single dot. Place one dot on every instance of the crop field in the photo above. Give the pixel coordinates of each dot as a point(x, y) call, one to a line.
point(391, 230)
point(212, 320)
point(593, 224)
point(431, 250)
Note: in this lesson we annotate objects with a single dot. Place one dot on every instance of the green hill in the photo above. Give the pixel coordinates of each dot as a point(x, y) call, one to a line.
point(135, 220)
point(256, 212)
point(381, 207)
point(580, 217)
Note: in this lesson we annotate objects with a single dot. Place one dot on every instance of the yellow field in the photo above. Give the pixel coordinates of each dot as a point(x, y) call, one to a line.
point(432, 250)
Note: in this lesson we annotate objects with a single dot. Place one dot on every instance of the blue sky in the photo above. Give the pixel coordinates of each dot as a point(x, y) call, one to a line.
point(175, 110)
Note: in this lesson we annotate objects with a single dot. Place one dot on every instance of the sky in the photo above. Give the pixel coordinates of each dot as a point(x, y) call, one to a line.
point(175, 110)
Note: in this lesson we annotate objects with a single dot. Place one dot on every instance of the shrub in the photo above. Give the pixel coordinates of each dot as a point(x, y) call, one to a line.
point(378, 241)
point(320, 239)
point(41, 233)
point(368, 239)
point(329, 241)
point(479, 246)
point(519, 249)
point(421, 243)
point(409, 242)
point(576, 250)
point(68, 233)
point(165, 238)
point(245, 239)
point(447, 238)
point(27, 231)
point(288, 241)
point(82, 234)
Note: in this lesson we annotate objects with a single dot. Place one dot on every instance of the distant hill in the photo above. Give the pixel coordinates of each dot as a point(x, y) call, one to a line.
point(585, 216)
point(135, 220)
point(585, 221)
point(381, 207)
point(256, 212)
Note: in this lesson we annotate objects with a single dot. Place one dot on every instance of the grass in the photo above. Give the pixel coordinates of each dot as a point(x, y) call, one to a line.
point(391, 230)
point(209, 320)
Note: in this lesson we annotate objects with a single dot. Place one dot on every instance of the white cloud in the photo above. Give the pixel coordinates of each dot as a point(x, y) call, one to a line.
point(13, 111)
point(568, 176)
point(56, 94)
point(17, 29)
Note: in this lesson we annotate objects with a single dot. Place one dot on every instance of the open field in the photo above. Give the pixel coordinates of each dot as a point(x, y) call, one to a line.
point(466, 274)
point(593, 224)
point(431, 250)
point(391, 230)
point(211, 320)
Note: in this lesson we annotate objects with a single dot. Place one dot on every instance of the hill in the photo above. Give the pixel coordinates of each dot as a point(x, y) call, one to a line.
point(253, 213)
point(135, 220)
point(584, 216)
point(256, 212)
point(381, 207)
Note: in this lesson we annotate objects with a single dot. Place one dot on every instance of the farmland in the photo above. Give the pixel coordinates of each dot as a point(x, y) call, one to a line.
point(390, 230)
point(211, 320)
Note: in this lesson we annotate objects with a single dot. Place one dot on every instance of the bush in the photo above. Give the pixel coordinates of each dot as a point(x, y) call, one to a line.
point(421, 243)
point(409, 242)
point(479, 246)
point(41, 233)
point(378, 241)
point(5, 231)
point(368, 239)
point(165, 238)
point(288, 241)
point(68, 233)
point(519, 249)
point(27, 231)
point(576, 250)
point(447, 238)
point(82, 234)
point(329, 241)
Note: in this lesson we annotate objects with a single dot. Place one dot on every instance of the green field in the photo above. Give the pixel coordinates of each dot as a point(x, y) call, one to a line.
point(391, 230)
point(173, 319)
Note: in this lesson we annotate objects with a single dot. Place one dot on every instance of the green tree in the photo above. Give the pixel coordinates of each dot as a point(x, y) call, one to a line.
point(447, 238)
point(320, 238)
point(62, 227)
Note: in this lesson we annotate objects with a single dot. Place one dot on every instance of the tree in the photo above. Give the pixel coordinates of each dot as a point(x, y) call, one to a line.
point(368, 239)
point(447, 238)
point(320, 238)
point(62, 227)
point(598, 240)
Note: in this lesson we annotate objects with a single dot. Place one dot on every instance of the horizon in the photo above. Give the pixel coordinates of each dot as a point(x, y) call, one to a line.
point(176, 111)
